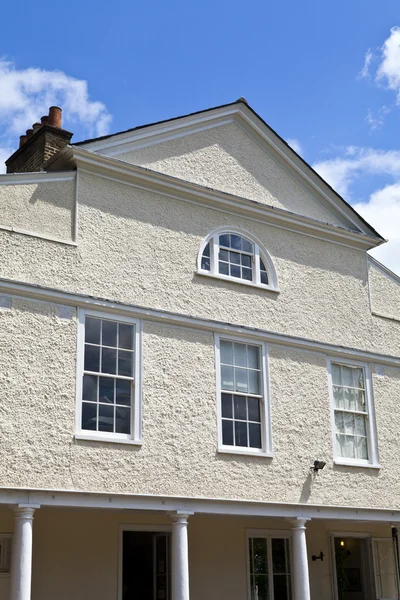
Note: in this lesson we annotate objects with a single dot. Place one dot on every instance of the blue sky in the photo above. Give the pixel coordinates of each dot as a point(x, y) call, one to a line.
point(299, 65)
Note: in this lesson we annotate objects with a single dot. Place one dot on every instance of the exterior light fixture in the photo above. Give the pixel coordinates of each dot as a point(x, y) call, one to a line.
point(318, 465)
point(342, 543)
point(319, 557)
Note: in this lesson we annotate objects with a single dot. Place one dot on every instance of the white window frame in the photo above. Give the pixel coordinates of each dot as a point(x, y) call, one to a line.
point(5, 539)
point(266, 429)
point(268, 534)
point(135, 437)
point(373, 460)
point(259, 250)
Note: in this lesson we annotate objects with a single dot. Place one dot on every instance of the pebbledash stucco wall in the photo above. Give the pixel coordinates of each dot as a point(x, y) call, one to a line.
point(43, 208)
point(86, 543)
point(384, 291)
point(227, 158)
point(139, 247)
point(179, 453)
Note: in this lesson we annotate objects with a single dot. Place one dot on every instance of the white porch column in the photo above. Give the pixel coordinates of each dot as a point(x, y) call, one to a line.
point(180, 556)
point(301, 582)
point(21, 556)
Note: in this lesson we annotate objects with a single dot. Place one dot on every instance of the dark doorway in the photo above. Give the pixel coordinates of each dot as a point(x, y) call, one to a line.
point(354, 572)
point(145, 566)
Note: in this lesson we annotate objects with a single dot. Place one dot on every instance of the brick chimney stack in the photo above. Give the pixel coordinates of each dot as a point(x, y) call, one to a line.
point(39, 143)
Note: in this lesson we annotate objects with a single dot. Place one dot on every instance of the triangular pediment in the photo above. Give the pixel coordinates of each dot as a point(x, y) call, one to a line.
point(232, 150)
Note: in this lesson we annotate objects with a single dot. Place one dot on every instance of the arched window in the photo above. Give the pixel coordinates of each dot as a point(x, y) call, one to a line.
point(231, 254)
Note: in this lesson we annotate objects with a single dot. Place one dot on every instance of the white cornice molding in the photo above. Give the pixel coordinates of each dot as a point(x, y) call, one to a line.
point(35, 292)
point(59, 498)
point(167, 185)
point(251, 123)
point(38, 177)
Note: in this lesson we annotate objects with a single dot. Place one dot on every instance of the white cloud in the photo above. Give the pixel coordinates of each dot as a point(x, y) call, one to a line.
point(377, 120)
point(389, 69)
point(367, 61)
point(295, 144)
point(382, 211)
point(27, 94)
point(342, 171)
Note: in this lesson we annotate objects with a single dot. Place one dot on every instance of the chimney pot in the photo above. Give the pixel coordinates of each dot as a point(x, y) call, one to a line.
point(36, 126)
point(55, 117)
point(44, 120)
point(22, 140)
point(29, 133)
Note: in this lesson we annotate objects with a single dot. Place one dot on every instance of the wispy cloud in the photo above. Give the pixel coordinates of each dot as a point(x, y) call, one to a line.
point(295, 144)
point(389, 69)
point(377, 120)
point(26, 94)
point(367, 62)
point(382, 209)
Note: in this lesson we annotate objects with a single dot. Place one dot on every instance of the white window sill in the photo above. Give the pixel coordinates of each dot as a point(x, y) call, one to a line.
point(267, 288)
point(356, 463)
point(104, 438)
point(244, 452)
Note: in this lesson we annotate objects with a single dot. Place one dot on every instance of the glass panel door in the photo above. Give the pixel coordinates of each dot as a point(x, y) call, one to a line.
point(161, 566)
point(385, 569)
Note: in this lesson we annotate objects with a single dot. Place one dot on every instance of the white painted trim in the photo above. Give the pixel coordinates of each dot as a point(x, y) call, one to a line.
point(17, 288)
point(259, 251)
point(203, 505)
point(41, 236)
point(193, 192)
point(372, 442)
point(132, 527)
point(38, 177)
point(266, 437)
point(135, 437)
point(76, 209)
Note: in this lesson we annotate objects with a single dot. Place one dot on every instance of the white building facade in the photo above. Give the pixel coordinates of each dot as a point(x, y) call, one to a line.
point(200, 370)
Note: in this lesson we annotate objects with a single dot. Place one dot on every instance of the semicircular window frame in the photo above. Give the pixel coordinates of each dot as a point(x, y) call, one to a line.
point(232, 254)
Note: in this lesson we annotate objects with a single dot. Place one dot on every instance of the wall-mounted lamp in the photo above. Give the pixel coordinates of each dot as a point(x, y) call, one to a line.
point(342, 543)
point(320, 556)
point(318, 465)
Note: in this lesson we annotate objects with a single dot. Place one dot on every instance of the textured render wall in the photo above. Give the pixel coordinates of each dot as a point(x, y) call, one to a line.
point(179, 452)
point(139, 247)
point(43, 208)
point(226, 158)
point(385, 293)
point(85, 543)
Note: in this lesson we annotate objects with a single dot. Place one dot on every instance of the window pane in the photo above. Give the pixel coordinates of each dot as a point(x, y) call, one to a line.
point(235, 258)
point(224, 255)
point(278, 555)
point(349, 399)
point(360, 425)
point(264, 278)
point(106, 417)
point(89, 412)
point(227, 432)
point(350, 446)
point(226, 402)
point(247, 246)
point(236, 242)
point(336, 376)
point(240, 355)
point(281, 591)
point(205, 263)
point(106, 389)
point(255, 435)
point(240, 433)
point(239, 403)
point(341, 445)
point(235, 271)
point(241, 380)
point(262, 265)
point(246, 260)
point(362, 448)
point(338, 397)
point(254, 409)
point(227, 378)
point(253, 357)
point(361, 404)
point(339, 422)
point(109, 333)
point(224, 268)
point(260, 564)
point(89, 391)
point(261, 591)
point(122, 420)
point(125, 336)
point(226, 350)
point(125, 363)
point(123, 391)
point(254, 382)
point(348, 423)
point(108, 360)
point(247, 274)
point(347, 376)
point(358, 378)
point(224, 240)
point(92, 358)
point(206, 251)
point(92, 330)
